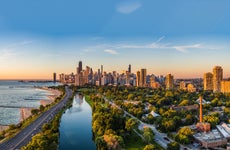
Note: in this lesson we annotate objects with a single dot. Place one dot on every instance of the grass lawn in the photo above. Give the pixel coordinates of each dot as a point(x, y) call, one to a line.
point(88, 100)
point(134, 142)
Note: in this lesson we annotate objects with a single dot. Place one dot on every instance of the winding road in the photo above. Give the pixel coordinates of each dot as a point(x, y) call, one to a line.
point(25, 135)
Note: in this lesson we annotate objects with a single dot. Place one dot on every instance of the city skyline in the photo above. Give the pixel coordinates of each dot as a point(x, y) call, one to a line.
point(185, 39)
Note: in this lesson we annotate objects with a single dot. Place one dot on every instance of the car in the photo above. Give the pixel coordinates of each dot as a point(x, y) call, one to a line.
point(166, 139)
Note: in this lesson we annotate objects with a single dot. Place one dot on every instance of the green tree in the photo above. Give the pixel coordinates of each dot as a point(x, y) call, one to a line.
point(12, 127)
point(114, 142)
point(131, 124)
point(184, 135)
point(130, 96)
point(34, 111)
point(214, 102)
point(150, 119)
point(41, 108)
point(170, 113)
point(189, 119)
point(184, 103)
point(100, 143)
point(213, 120)
point(148, 134)
point(168, 125)
point(173, 146)
point(150, 147)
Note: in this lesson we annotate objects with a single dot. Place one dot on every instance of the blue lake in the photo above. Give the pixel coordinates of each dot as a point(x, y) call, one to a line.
point(20, 94)
point(76, 128)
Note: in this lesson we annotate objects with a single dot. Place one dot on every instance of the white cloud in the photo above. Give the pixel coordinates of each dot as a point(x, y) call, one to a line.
point(9, 51)
point(22, 43)
point(179, 48)
point(185, 48)
point(128, 7)
point(160, 39)
point(6, 54)
point(110, 51)
point(157, 44)
point(152, 45)
point(89, 50)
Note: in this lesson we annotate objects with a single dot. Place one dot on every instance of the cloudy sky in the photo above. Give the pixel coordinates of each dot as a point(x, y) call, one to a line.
point(185, 38)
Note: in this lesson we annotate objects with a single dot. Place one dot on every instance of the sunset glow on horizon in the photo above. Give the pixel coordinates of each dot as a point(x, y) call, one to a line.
point(185, 39)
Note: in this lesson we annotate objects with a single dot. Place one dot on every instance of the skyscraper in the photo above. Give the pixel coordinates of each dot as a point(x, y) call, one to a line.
point(79, 67)
point(99, 77)
point(129, 69)
point(225, 86)
point(169, 82)
point(102, 70)
point(127, 77)
point(54, 77)
point(138, 78)
point(208, 81)
point(217, 77)
point(143, 74)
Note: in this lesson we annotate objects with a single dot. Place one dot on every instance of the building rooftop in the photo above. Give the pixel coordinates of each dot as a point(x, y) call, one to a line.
point(224, 129)
point(203, 101)
point(154, 114)
point(211, 136)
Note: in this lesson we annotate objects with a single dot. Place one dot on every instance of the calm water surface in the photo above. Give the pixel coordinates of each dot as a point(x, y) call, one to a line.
point(19, 94)
point(75, 127)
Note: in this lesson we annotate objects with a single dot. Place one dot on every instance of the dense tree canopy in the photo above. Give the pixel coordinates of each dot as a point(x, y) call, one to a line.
point(173, 146)
point(171, 105)
point(184, 135)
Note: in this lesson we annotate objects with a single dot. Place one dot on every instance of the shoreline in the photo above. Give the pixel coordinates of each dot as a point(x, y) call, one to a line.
point(24, 113)
point(53, 93)
point(3, 127)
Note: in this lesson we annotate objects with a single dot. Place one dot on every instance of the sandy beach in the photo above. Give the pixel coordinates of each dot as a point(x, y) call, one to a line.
point(53, 94)
point(3, 128)
point(26, 112)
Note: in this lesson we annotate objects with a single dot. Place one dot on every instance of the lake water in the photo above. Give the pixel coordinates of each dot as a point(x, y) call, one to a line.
point(19, 94)
point(75, 127)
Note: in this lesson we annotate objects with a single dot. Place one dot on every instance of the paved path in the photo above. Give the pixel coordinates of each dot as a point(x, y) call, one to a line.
point(24, 136)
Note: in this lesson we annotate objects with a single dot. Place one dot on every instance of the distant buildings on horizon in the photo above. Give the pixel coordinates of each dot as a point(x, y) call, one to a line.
point(211, 81)
point(101, 78)
point(215, 82)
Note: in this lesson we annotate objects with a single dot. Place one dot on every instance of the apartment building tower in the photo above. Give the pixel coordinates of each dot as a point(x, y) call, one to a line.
point(208, 81)
point(169, 82)
point(143, 75)
point(138, 77)
point(217, 78)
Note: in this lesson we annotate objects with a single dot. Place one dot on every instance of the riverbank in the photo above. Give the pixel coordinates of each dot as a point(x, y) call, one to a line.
point(2, 127)
point(132, 142)
point(88, 100)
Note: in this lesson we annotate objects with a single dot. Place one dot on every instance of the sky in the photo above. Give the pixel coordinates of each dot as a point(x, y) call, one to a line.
point(184, 38)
